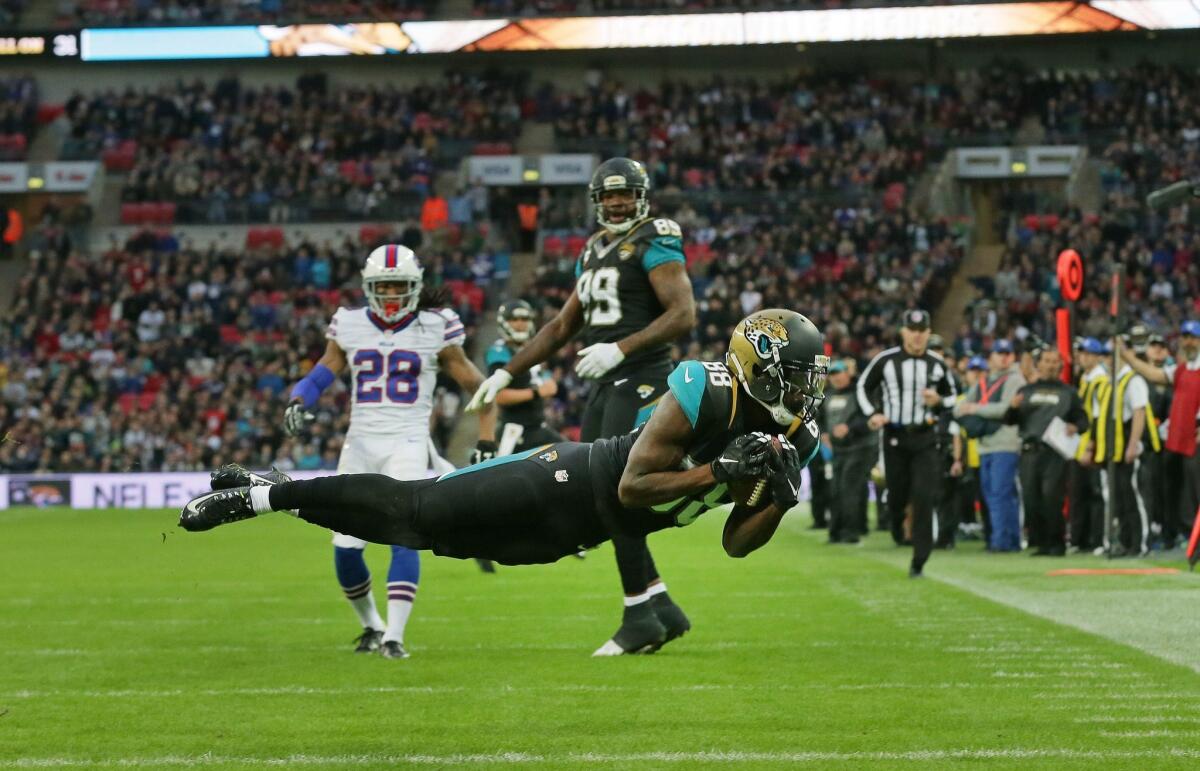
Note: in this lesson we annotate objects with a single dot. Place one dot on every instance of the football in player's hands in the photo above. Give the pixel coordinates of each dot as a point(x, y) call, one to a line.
point(785, 473)
point(743, 458)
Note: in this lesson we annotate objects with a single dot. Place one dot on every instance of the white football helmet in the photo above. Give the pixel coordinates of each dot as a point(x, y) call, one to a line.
point(387, 264)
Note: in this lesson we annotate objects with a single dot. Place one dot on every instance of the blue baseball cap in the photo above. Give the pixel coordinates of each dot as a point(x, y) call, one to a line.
point(1190, 327)
point(837, 366)
point(1002, 345)
point(977, 362)
point(1092, 345)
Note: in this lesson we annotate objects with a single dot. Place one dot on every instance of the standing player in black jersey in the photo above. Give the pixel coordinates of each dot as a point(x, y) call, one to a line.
point(522, 418)
point(632, 299)
point(538, 506)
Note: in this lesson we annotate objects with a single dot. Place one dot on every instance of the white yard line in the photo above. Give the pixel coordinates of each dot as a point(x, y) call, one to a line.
point(567, 759)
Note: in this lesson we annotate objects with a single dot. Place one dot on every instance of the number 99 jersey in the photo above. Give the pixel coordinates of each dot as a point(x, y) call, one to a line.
point(613, 284)
point(393, 367)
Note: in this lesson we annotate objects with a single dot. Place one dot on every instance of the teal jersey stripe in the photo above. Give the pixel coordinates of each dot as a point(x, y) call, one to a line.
point(493, 462)
point(498, 354)
point(663, 250)
point(814, 452)
point(687, 385)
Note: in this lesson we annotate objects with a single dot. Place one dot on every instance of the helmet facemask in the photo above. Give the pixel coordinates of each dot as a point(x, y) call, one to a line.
point(641, 208)
point(392, 305)
point(790, 391)
point(513, 335)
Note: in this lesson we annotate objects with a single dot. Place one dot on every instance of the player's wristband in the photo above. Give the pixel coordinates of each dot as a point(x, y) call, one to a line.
point(311, 385)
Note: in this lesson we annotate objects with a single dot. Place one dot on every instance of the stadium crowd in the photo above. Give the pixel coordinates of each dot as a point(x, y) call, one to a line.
point(93, 375)
point(225, 152)
point(18, 116)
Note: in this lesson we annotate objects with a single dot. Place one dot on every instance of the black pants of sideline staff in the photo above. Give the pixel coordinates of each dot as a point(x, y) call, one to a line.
point(1044, 490)
point(913, 468)
point(851, 476)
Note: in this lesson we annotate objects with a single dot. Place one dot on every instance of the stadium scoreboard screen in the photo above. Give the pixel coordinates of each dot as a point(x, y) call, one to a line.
point(60, 45)
point(606, 32)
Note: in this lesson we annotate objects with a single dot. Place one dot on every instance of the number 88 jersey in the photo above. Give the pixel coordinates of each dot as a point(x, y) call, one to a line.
point(393, 367)
point(612, 280)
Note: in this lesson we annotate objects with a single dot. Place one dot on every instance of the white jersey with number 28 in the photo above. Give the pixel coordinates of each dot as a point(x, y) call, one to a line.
point(393, 367)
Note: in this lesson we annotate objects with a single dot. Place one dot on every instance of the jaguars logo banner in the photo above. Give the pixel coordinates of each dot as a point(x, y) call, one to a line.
point(767, 336)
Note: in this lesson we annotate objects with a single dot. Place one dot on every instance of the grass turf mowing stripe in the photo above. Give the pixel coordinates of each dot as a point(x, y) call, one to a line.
point(588, 758)
point(1125, 605)
point(799, 654)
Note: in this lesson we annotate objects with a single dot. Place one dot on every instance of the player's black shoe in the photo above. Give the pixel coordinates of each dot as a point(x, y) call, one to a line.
point(392, 649)
point(369, 641)
point(670, 615)
point(487, 566)
point(232, 475)
point(217, 508)
point(640, 632)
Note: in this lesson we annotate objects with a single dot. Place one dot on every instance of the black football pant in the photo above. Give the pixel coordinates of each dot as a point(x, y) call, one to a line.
point(851, 476)
point(1129, 510)
point(1086, 516)
point(945, 507)
point(1182, 483)
point(819, 472)
point(612, 410)
point(1043, 474)
point(536, 437)
point(913, 466)
point(1150, 484)
point(522, 509)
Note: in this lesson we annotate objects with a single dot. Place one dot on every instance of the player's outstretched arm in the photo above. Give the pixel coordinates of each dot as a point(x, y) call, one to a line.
point(549, 339)
point(673, 289)
point(652, 474)
point(308, 390)
point(748, 528)
point(454, 361)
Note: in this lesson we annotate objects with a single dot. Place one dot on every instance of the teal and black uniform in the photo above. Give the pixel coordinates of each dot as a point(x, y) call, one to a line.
point(612, 281)
point(710, 398)
point(529, 415)
point(542, 504)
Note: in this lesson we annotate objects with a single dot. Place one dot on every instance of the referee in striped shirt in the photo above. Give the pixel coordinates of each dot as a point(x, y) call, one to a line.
point(902, 391)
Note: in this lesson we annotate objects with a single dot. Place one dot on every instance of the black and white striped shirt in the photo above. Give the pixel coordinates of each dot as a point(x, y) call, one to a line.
point(894, 383)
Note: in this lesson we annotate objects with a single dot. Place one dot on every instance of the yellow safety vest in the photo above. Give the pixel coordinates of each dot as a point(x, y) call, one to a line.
point(1087, 390)
point(1106, 396)
point(972, 458)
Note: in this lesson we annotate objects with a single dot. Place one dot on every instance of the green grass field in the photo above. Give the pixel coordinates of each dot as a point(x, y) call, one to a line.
point(125, 642)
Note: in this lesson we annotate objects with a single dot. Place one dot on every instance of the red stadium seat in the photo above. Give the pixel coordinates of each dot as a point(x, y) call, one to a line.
point(575, 245)
point(1032, 222)
point(1050, 221)
point(125, 402)
point(131, 214)
point(552, 246)
point(230, 334)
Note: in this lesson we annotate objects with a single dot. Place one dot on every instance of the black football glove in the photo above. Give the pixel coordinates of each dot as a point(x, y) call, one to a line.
point(785, 466)
point(743, 458)
point(296, 418)
point(484, 450)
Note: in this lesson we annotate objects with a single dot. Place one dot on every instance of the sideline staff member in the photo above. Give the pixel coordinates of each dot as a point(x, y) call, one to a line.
point(902, 391)
point(1043, 471)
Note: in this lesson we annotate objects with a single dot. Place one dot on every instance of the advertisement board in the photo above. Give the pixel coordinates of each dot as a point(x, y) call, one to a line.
point(166, 490)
